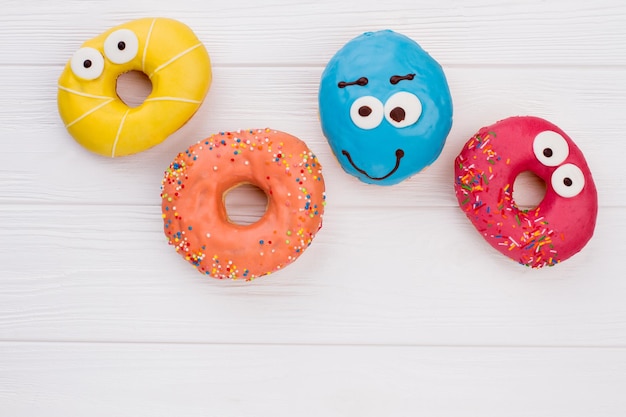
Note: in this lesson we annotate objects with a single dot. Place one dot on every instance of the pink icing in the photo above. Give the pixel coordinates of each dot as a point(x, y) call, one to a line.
point(485, 171)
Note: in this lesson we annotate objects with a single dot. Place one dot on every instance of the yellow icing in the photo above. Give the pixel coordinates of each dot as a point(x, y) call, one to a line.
point(179, 68)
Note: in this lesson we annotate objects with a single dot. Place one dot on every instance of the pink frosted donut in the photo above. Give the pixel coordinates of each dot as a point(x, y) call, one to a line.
point(195, 218)
point(485, 170)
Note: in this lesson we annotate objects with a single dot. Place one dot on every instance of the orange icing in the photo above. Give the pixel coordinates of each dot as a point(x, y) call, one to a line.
point(195, 218)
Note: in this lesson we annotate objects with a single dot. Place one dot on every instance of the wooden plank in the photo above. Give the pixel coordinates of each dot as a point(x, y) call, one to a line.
point(398, 308)
point(372, 276)
point(40, 163)
point(69, 380)
point(296, 33)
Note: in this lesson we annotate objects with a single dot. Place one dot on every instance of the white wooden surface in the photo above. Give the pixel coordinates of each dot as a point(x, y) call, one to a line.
point(398, 308)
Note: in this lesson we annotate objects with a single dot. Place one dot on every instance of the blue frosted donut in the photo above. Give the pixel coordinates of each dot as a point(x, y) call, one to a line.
point(385, 107)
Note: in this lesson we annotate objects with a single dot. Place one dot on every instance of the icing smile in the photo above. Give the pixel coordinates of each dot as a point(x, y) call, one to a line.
point(399, 155)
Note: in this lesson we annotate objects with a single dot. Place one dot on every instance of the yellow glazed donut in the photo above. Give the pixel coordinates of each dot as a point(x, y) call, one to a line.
point(174, 60)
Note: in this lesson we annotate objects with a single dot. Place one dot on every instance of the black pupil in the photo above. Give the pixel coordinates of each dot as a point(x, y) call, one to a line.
point(567, 181)
point(364, 111)
point(397, 114)
point(547, 152)
point(121, 45)
point(87, 63)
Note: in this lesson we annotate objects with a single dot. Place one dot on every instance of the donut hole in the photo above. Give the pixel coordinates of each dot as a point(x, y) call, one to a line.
point(245, 204)
point(133, 88)
point(528, 190)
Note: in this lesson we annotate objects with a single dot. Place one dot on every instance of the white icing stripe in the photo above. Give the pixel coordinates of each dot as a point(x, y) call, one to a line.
point(78, 93)
point(185, 52)
point(87, 113)
point(117, 136)
point(181, 99)
point(145, 48)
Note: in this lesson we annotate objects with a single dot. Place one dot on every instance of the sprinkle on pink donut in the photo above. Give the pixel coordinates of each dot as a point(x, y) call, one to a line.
point(485, 170)
point(194, 214)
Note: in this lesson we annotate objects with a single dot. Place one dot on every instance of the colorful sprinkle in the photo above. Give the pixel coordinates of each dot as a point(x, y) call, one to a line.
point(262, 153)
point(534, 242)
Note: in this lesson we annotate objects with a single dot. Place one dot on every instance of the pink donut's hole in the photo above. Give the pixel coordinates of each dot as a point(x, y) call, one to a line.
point(528, 190)
point(245, 204)
point(133, 88)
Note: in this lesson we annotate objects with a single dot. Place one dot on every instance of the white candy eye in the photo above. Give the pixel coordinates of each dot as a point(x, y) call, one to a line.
point(550, 148)
point(403, 109)
point(367, 112)
point(87, 63)
point(568, 180)
point(121, 46)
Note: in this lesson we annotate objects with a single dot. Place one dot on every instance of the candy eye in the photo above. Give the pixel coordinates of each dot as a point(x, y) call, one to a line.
point(87, 63)
point(550, 148)
point(367, 112)
point(121, 46)
point(403, 109)
point(568, 180)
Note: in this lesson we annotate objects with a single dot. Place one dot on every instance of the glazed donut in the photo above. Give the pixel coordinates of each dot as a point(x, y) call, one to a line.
point(385, 107)
point(194, 214)
point(563, 222)
point(174, 60)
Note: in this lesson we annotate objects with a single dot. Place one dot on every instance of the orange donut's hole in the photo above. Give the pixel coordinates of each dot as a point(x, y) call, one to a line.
point(133, 88)
point(528, 190)
point(245, 204)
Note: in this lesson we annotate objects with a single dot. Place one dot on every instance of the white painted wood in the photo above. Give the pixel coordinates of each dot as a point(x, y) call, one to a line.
point(397, 308)
point(278, 33)
point(242, 98)
point(234, 380)
point(375, 276)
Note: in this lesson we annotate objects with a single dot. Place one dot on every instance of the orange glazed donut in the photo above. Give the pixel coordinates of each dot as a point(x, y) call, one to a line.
point(194, 213)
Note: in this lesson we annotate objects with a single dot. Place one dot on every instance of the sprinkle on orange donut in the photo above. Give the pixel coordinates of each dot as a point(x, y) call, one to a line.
point(194, 214)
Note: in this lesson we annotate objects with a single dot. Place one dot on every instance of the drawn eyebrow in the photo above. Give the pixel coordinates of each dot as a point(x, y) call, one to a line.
point(395, 79)
point(361, 81)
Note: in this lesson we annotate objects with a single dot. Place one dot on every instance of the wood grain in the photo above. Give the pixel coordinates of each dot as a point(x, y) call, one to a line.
point(374, 276)
point(199, 380)
point(398, 307)
point(244, 98)
point(286, 34)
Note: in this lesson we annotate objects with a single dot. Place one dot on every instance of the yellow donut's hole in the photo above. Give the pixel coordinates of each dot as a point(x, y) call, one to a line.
point(133, 88)
point(528, 190)
point(245, 204)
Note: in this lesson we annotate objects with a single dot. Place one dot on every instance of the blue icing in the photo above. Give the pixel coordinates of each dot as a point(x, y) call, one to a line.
point(399, 124)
